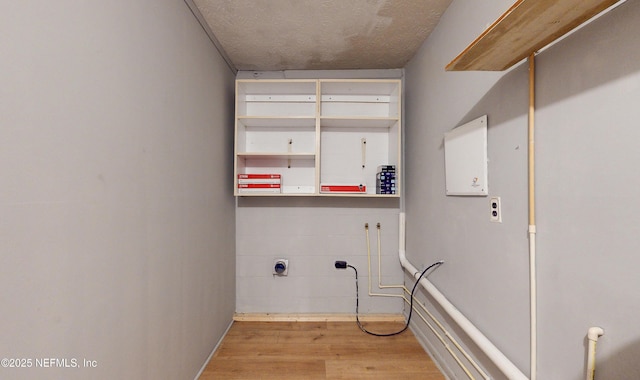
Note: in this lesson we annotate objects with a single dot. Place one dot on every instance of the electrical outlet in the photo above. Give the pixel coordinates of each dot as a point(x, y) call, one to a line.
point(280, 267)
point(495, 210)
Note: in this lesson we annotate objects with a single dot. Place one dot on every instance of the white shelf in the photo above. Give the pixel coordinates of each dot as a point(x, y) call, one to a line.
point(360, 195)
point(277, 155)
point(318, 131)
point(358, 122)
point(274, 121)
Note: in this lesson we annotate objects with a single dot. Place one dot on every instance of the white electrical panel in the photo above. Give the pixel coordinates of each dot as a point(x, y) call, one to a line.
point(465, 157)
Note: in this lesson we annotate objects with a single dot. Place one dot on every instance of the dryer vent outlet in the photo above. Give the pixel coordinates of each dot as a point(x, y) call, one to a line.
point(280, 267)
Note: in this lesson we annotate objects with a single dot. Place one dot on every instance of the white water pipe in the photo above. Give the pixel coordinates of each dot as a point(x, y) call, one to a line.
point(489, 349)
point(593, 334)
point(533, 295)
point(429, 325)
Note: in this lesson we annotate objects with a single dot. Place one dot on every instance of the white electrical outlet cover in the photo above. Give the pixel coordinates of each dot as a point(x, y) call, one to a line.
point(284, 262)
point(495, 210)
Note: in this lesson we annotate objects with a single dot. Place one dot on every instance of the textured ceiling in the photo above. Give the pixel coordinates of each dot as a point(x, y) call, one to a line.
point(320, 34)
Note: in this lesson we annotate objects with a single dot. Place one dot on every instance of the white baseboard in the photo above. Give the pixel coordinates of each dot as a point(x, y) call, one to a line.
point(206, 362)
point(275, 317)
point(433, 352)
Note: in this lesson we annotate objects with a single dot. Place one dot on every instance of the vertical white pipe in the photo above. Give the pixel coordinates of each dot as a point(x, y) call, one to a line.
point(402, 220)
point(532, 224)
point(592, 336)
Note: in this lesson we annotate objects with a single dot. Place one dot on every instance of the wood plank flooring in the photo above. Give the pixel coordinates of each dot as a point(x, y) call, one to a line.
point(319, 350)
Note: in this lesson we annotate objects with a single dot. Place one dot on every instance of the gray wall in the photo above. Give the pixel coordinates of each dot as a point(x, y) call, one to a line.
point(116, 235)
point(588, 89)
point(312, 233)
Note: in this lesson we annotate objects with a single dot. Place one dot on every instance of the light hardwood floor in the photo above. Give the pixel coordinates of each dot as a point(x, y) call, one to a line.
point(319, 350)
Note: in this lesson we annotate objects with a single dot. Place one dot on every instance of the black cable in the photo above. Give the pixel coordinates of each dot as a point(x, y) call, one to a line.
point(406, 326)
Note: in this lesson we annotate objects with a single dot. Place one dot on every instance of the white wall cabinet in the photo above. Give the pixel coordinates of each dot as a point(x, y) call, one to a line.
point(318, 135)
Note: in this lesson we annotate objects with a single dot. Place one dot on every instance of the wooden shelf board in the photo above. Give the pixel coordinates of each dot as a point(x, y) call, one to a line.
point(528, 26)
